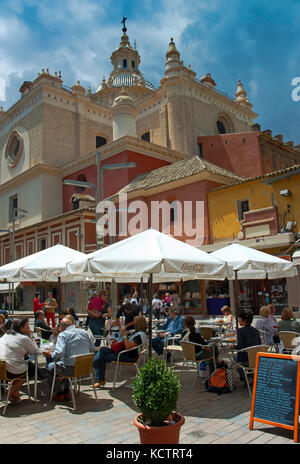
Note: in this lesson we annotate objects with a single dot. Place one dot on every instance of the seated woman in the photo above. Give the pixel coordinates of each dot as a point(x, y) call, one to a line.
point(287, 323)
point(191, 335)
point(15, 344)
point(246, 336)
point(107, 355)
point(265, 324)
point(227, 319)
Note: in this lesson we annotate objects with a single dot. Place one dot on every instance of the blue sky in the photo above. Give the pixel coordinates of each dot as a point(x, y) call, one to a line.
point(257, 41)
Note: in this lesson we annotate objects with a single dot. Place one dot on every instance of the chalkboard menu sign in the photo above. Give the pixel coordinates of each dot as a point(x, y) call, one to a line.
point(275, 397)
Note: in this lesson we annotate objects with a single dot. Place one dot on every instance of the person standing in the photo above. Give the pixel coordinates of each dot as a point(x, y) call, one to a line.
point(156, 305)
point(97, 314)
point(37, 306)
point(50, 306)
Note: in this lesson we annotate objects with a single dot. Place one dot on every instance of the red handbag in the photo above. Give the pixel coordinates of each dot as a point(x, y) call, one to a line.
point(117, 346)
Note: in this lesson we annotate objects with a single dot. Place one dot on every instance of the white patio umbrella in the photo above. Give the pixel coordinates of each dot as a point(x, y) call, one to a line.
point(248, 263)
point(46, 265)
point(150, 253)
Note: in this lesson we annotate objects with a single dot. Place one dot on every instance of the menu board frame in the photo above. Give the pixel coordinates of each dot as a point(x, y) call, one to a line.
point(297, 395)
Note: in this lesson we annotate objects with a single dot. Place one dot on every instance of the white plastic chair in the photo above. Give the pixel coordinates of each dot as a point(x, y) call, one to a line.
point(172, 347)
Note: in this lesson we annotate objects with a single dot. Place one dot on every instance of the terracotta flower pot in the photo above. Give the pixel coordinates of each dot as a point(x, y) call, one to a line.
point(166, 434)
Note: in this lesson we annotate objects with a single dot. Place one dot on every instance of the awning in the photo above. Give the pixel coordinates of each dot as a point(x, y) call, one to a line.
point(4, 288)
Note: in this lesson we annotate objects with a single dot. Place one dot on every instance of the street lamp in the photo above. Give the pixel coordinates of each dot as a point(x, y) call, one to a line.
point(98, 188)
point(12, 256)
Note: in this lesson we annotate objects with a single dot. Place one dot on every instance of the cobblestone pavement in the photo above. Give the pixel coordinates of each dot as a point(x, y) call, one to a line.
point(209, 418)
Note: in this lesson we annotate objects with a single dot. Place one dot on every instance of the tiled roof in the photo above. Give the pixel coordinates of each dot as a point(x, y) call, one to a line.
point(175, 171)
point(83, 197)
point(264, 176)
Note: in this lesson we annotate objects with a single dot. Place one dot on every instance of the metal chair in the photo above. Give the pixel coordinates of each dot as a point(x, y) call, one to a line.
point(123, 363)
point(5, 380)
point(82, 369)
point(252, 352)
point(287, 338)
point(172, 348)
point(189, 354)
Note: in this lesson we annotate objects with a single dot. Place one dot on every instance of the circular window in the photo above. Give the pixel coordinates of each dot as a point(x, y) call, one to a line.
point(14, 149)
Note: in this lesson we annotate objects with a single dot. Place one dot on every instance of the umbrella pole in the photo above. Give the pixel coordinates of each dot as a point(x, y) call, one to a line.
point(150, 281)
point(236, 299)
point(141, 295)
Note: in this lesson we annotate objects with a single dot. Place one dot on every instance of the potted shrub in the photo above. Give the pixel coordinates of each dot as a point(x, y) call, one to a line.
point(155, 392)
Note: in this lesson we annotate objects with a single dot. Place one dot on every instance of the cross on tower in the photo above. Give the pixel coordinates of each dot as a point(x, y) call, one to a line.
point(124, 22)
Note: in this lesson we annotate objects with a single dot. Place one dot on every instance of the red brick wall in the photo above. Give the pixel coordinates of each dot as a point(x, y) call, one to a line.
point(240, 153)
point(113, 180)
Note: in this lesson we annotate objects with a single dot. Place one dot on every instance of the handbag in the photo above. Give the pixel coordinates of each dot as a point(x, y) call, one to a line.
point(117, 346)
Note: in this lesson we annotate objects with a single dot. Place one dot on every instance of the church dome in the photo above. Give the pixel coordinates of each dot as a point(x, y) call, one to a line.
point(127, 79)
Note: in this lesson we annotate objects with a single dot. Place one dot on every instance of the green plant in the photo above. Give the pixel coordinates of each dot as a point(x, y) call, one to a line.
point(155, 391)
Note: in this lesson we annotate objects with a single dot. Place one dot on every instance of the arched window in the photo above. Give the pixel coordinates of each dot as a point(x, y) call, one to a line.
point(221, 127)
point(100, 141)
point(224, 124)
point(133, 64)
point(125, 64)
point(81, 178)
point(146, 137)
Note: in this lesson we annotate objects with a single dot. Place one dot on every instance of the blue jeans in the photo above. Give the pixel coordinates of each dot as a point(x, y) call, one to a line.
point(106, 355)
point(158, 345)
point(97, 327)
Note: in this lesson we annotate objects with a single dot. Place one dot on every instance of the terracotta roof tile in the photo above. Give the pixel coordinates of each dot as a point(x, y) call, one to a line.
point(175, 171)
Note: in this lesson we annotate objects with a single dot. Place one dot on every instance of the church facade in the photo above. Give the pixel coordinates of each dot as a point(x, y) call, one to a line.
point(52, 133)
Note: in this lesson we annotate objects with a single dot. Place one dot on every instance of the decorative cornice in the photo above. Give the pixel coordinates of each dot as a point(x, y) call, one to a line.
point(120, 145)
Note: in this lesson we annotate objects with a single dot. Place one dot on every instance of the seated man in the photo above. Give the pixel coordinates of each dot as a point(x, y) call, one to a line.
point(246, 336)
point(173, 325)
point(70, 342)
point(41, 324)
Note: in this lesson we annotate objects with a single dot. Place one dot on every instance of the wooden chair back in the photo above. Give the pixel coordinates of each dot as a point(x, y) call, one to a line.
point(288, 338)
point(252, 352)
point(188, 351)
point(83, 365)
